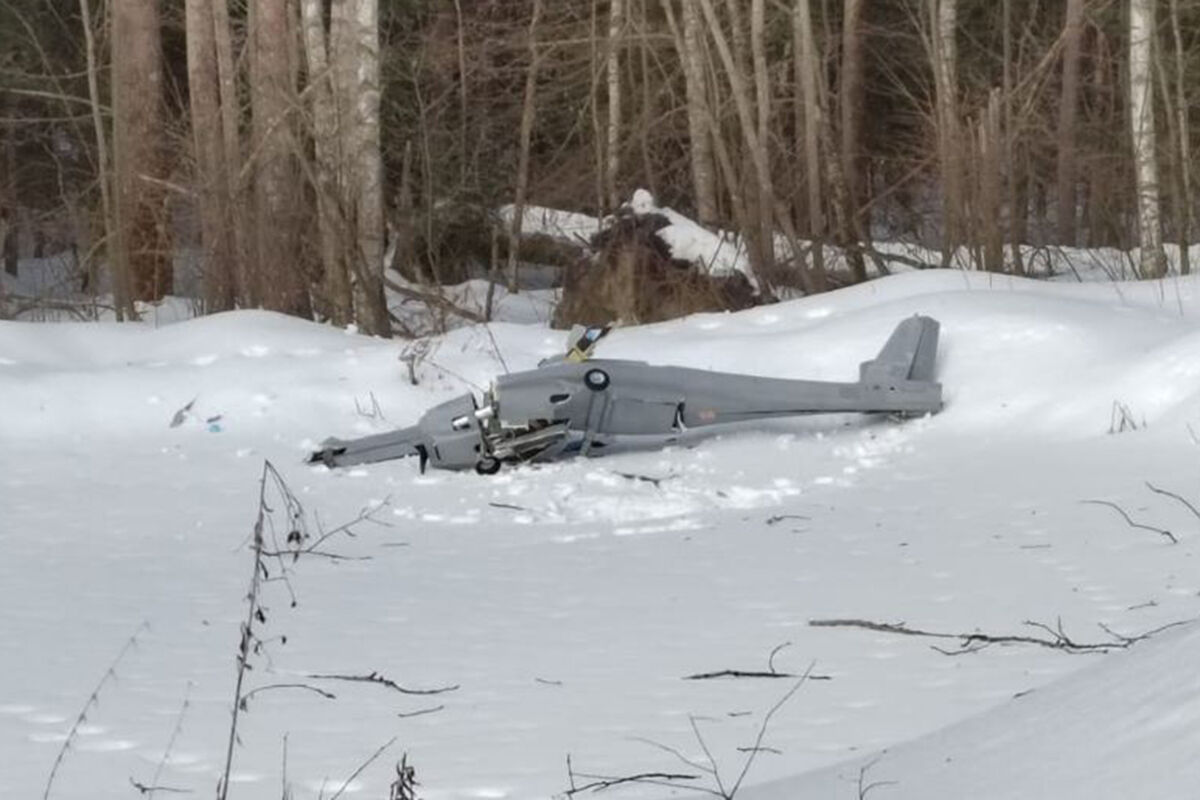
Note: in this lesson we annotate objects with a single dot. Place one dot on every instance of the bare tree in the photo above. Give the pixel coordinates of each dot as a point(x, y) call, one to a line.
point(8, 193)
point(355, 37)
point(323, 122)
point(851, 98)
point(139, 149)
point(1067, 108)
point(943, 19)
point(216, 218)
point(1152, 260)
point(807, 76)
point(281, 283)
point(612, 69)
point(525, 136)
point(1183, 137)
point(234, 186)
point(691, 55)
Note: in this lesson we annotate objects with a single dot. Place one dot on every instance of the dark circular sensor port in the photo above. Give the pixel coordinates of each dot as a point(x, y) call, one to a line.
point(596, 380)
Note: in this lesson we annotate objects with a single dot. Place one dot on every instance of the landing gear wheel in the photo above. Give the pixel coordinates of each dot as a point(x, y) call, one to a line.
point(596, 379)
point(487, 465)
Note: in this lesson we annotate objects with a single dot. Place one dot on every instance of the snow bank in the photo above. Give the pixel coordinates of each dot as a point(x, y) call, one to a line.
point(1126, 727)
point(569, 600)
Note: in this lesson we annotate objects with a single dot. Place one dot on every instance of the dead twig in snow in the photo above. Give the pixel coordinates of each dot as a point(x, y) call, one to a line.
point(633, 476)
point(405, 785)
point(250, 642)
point(362, 767)
point(865, 788)
point(1160, 531)
point(270, 687)
point(376, 678)
point(975, 641)
point(162, 762)
point(770, 672)
point(92, 701)
point(1173, 496)
point(149, 790)
point(419, 712)
point(599, 782)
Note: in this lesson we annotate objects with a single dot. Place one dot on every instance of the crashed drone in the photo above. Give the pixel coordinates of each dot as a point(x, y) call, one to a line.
point(575, 404)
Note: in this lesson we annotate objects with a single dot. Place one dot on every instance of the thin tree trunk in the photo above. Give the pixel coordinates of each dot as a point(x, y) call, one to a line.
point(369, 301)
point(235, 199)
point(1186, 221)
point(1067, 112)
point(1010, 145)
point(354, 56)
point(806, 78)
point(761, 253)
point(612, 150)
point(330, 225)
point(691, 55)
point(943, 16)
point(9, 195)
point(204, 97)
point(138, 149)
point(990, 181)
point(463, 108)
point(1152, 262)
point(648, 105)
point(762, 107)
point(851, 98)
point(283, 285)
point(1174, 179)
point(528, 109)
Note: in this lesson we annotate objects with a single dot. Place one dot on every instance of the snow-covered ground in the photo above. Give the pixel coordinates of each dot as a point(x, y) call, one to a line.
point(569, 601)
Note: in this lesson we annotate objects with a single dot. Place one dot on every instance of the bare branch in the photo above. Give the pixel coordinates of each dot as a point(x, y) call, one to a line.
point(1172, 495)
point(376, 678)
point(1129, 520)
point(975, 641)
point(363, 766)
point(92, 700)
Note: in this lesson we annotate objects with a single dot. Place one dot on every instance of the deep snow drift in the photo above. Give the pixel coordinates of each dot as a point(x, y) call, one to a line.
point(569, 601)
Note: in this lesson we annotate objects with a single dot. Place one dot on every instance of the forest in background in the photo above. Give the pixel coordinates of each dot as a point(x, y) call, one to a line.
point(302, 148)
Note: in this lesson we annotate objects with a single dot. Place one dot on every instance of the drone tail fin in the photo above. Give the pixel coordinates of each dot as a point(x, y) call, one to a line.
point(908, 355)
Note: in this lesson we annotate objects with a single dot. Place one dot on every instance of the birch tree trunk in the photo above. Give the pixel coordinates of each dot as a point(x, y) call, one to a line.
point(216, 221)
point(1152, 262)
point(612, 152)
point(138, 148)
point(1182, 124)
point(367, 170)
point(281, 282)
point(1067, 112)
point(354, 67)
point(325, 167)
point(943, 15)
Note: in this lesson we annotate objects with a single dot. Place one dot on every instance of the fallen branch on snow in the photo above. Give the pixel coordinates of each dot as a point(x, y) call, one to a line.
point(1057, 639)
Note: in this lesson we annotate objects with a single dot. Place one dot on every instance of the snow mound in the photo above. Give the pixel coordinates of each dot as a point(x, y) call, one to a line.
point(1126, 727)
